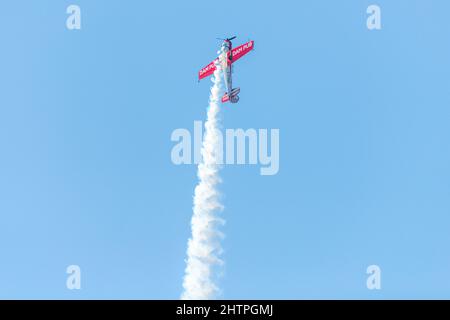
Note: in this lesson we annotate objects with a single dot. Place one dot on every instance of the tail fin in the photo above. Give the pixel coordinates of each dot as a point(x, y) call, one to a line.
point(234, 96)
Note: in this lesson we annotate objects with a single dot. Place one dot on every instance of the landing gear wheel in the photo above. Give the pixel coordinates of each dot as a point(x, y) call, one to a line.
point(234, 99)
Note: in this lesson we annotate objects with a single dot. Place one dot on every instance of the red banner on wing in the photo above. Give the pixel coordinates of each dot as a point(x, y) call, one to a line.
point(242, 50)
point(238, 53)
point(207, 71)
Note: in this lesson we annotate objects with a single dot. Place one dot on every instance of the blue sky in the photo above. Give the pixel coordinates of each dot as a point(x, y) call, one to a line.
point(86, 176)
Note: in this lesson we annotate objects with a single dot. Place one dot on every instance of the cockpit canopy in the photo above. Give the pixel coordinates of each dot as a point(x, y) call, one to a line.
point(226, 46)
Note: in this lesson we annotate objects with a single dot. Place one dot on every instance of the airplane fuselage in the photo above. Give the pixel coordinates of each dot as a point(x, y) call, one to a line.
point(227, 65)
point(226, 61)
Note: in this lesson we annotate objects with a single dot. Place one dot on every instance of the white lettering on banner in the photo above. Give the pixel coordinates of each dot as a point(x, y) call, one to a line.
point(242, 48)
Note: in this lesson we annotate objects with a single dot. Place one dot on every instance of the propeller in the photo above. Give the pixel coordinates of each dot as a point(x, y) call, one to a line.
point(228, 39)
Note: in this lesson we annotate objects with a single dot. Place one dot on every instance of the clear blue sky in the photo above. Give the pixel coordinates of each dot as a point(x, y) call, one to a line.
point(85, 170)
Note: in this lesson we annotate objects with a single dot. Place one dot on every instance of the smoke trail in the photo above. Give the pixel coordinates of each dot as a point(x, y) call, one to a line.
point(204, 249)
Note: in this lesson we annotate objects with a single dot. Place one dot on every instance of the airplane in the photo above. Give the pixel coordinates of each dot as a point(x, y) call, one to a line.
point(229, 56)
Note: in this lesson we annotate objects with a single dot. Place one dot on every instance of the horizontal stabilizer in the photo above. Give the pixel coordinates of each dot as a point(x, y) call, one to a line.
point(225, 98)
point(234, 96)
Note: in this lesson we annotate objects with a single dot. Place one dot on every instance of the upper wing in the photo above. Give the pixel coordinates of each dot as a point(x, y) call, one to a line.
point(208, 70)
point(242, 50)
point(237, 53)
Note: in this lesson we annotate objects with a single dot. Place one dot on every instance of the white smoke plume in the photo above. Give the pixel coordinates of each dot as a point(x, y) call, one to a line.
point(204, 249)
